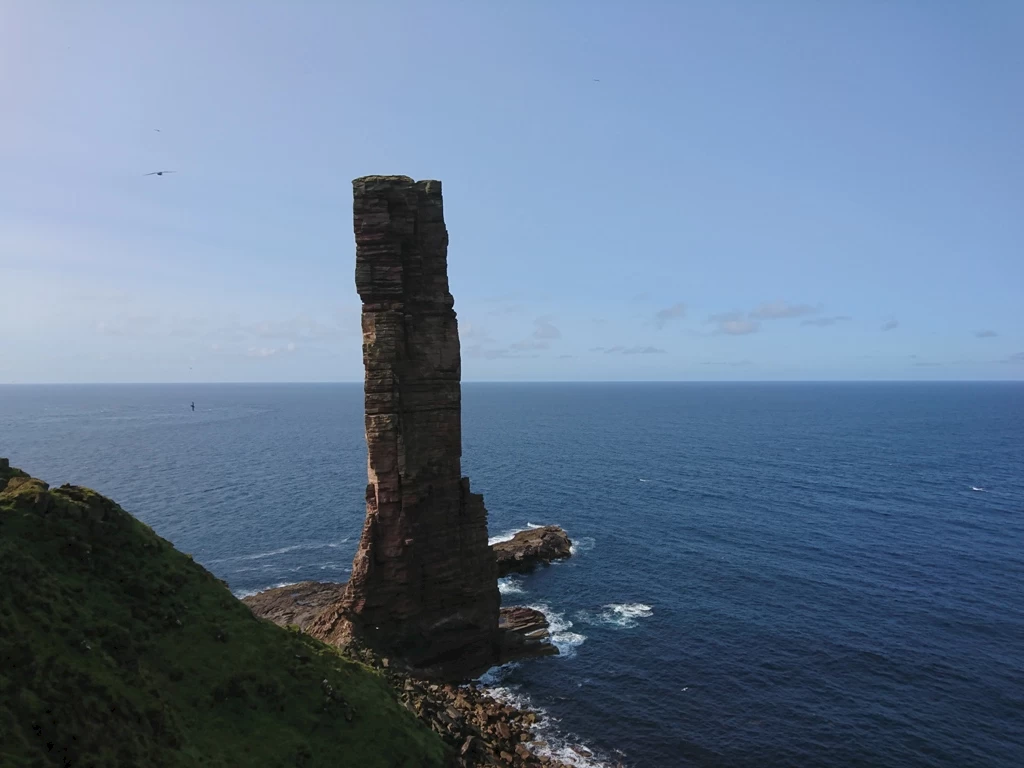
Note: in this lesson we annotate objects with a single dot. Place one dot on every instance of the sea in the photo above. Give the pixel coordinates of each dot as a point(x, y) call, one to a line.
point(764, 574)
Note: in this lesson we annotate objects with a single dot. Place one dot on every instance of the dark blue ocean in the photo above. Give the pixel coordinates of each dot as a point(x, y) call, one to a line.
point(766, 574)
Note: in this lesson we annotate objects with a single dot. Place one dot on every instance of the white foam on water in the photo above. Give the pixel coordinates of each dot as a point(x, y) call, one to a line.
point(980, 490)
point(562, 636)
point(271, 553)
point(334, 567)
point(584, 544)
point(509, 535)
point(631, 610)
point(643, 480)
point(495, 675)
point(622, 615)
point(511, 585)
point(281, 551)
point(558, 746)
point(242, 593)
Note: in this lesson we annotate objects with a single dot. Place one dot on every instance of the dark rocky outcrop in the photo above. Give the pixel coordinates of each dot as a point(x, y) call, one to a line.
point(527, 549)
point(423, 582)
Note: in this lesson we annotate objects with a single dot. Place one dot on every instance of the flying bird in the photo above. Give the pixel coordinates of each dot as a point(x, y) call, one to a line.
point(157, 173)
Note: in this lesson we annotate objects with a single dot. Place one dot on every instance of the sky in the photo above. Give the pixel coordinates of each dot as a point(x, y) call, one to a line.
point(633, 191)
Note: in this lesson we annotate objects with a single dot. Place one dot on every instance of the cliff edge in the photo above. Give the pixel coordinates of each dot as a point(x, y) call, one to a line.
point(118, 650)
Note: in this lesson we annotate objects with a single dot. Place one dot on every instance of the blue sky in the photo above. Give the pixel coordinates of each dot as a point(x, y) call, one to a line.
point(650, 190)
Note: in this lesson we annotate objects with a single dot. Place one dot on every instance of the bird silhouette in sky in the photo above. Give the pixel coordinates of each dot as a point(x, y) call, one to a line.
point(157, 173)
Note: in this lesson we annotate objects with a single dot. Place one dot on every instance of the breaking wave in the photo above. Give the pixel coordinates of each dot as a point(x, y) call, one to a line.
point(511, 585)
point(548, 741)
point(243, 593)
point(622, 615)
point(584, 544)
point(562, 636)
point(508, 535)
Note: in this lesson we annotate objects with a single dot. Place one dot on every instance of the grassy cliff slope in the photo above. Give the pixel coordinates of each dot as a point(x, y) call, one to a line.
point(118, 650)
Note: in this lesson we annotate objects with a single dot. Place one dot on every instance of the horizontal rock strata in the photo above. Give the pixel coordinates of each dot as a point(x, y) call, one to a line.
point(295, 604)
point(423, 582)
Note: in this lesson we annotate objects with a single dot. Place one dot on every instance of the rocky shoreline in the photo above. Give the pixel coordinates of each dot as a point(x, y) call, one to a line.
point(482, 729)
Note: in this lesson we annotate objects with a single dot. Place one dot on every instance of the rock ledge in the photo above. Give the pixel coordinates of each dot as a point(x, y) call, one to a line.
point(524, 551)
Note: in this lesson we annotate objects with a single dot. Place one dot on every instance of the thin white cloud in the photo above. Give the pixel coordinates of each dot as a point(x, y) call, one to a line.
point(265, 352)
point(620, 349)
point(734, 324)
point(781, 310)
point(663, 316)
point(739, 327)
point(527, 344)
point(544, 328)
point(822, 322)
point(644, 351)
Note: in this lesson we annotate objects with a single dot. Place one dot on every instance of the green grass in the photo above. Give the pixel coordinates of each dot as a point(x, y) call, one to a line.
point(118, 650)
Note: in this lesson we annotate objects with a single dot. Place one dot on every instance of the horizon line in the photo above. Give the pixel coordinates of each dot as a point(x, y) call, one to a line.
point(511, 381)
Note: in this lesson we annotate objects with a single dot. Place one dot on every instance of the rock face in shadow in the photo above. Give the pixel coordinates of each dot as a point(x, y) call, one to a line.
point(423, 584)
point(527, 549)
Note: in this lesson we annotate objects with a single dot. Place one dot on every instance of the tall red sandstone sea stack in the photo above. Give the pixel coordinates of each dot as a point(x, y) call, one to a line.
point(424, 580)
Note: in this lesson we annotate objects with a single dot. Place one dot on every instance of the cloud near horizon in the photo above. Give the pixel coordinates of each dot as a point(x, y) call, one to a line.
point(737, 323)
point(266, 352)
point(619, 349)
point(544, 332)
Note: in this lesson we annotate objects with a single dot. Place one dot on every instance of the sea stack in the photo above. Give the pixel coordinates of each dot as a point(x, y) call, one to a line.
point(424, 581)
